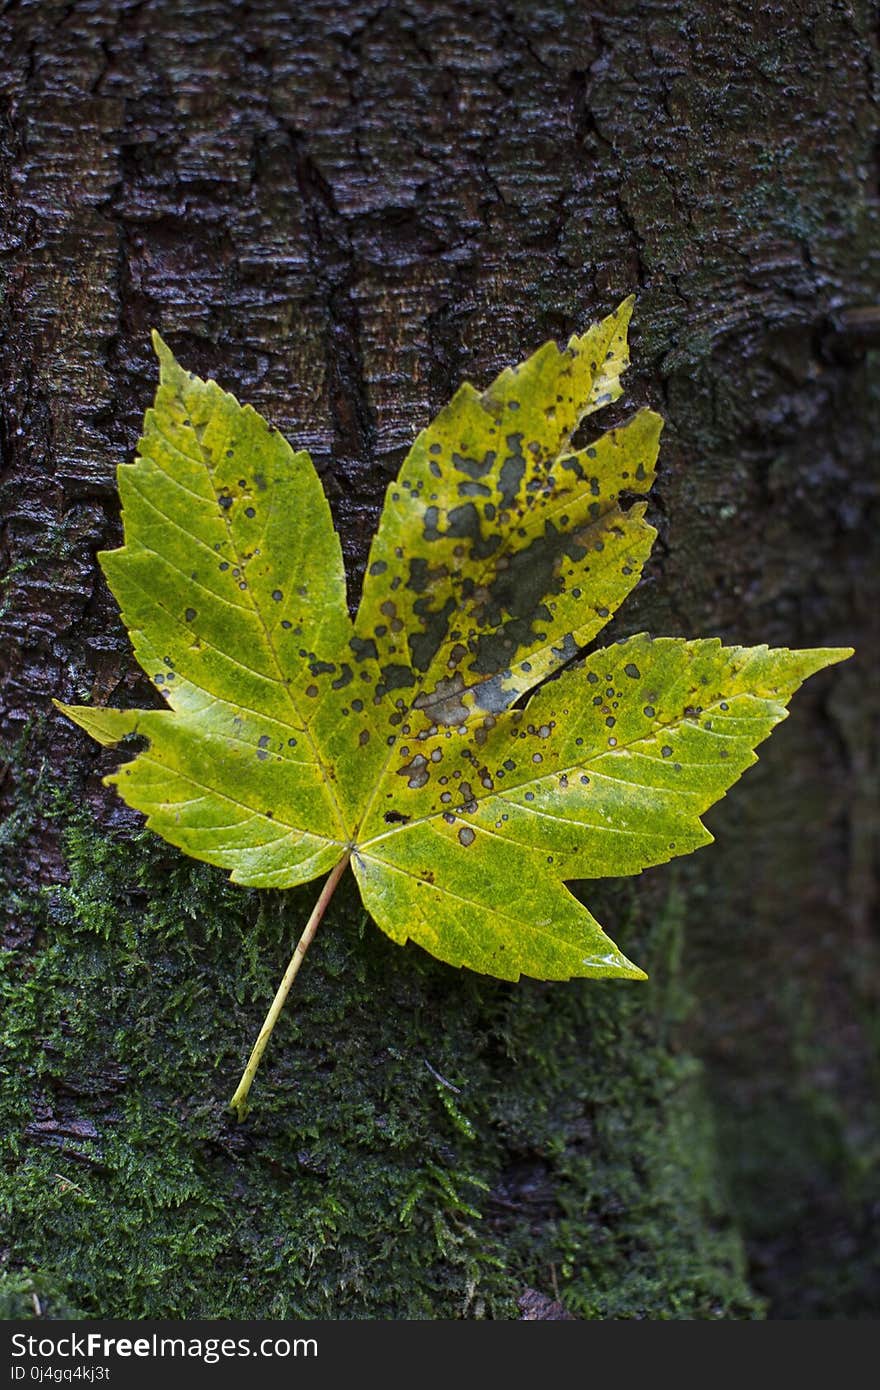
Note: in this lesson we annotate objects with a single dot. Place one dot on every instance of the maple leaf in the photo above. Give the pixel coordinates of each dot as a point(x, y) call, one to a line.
point(295, 741)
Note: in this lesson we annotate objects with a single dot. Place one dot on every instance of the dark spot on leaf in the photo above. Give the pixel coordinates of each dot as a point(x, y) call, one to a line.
point(416, 772)
point(466, 836)
point(189, 614)
point(395, 677)
point(474, 468)
point(423, 646)
point(364, 648)
point(491, 695)
point(573, 465)
point(463, 523)
point(443, 705)
point(512, 470)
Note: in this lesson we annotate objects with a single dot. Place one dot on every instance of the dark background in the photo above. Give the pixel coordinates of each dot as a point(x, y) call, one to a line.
point(341, 209)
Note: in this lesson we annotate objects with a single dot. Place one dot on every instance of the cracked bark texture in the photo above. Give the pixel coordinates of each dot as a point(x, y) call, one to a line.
point(341, 209)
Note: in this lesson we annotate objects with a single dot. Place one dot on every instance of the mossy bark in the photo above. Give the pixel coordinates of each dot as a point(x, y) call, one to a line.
point(340, 210)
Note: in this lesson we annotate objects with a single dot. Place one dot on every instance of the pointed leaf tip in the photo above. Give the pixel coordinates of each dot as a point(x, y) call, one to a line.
point(814, 659)
point(106, 726)
point(160, 347)
point(77, 714)
point(170, 371)
point(620, 968)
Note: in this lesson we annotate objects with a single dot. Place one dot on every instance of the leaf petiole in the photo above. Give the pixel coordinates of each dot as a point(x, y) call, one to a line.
point(239, 1100)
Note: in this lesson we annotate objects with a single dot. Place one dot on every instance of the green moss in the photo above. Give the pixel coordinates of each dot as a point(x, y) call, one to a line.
point(574, 1154)
point(25, 1295)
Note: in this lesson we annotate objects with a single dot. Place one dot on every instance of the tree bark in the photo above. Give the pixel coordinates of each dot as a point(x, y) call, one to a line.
point(340, 210)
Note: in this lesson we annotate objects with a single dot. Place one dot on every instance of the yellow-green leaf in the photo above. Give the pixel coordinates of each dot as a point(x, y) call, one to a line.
point(293, 741)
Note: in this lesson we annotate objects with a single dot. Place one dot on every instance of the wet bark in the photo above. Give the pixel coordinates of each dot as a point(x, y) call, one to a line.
point(340, 209)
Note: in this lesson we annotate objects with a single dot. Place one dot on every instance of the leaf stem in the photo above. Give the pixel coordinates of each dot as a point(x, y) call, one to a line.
point(239, 1100)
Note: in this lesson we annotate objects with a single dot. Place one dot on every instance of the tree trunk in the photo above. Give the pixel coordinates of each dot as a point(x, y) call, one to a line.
point(342, 209)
